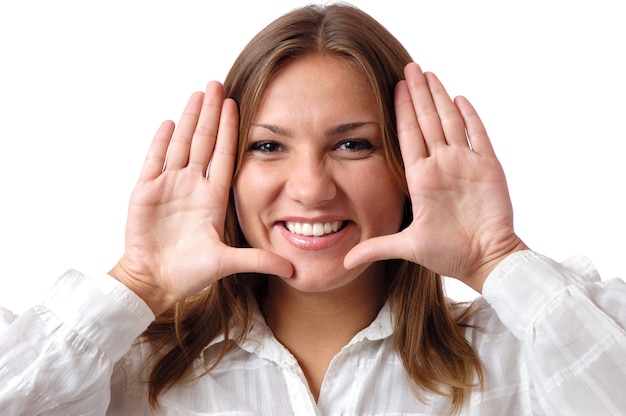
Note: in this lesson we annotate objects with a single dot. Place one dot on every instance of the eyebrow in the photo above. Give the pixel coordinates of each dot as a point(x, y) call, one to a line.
point(338, 129)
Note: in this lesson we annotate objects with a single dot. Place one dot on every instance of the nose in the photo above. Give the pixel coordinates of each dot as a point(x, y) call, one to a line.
point(311, 182)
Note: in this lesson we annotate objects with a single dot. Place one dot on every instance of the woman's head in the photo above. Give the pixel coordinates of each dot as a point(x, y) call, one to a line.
point(354, 44)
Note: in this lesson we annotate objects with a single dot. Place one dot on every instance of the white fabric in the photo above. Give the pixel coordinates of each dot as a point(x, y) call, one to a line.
point(552, 341)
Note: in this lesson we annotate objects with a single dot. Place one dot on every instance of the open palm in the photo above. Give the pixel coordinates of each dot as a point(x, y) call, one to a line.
point(175, 227)
point(462, 215)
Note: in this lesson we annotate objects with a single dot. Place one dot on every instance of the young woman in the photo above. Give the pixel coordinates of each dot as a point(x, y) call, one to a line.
point(284, 248)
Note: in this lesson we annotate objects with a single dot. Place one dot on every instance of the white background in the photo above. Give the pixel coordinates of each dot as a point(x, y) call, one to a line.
point(84, 85)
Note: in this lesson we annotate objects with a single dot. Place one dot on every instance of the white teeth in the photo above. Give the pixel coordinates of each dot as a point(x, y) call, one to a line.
point(317, 229)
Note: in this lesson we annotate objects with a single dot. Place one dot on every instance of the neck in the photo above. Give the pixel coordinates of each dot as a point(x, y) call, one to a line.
point(347, 310)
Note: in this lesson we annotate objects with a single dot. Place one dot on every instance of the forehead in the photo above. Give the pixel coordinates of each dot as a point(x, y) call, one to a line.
point(321, 64)
point(318, 85)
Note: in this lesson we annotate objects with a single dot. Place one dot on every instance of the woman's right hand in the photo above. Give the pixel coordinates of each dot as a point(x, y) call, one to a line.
point(174, 232)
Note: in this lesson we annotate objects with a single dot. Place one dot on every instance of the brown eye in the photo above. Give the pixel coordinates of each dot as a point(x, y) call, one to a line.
point(265, 147)
point(355, 145)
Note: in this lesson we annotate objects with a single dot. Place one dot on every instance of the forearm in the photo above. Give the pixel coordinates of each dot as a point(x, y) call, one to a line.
point(572, 327)
point(60, 355)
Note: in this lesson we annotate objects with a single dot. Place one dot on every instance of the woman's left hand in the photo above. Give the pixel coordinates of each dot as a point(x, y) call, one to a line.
point(462, 215)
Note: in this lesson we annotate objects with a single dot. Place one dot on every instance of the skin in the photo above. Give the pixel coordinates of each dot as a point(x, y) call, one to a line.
point(462, 226)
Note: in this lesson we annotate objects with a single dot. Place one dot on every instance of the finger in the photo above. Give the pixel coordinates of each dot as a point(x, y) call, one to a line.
point(449, 117)
point(394, 246)
point(178, 152)
point(476, 131)
point(155, 159)
point(205, 134)
point(223, 160)
point(409, 134)
point(424, 107)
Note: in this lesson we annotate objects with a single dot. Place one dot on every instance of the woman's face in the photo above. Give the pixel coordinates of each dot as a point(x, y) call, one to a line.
point(314, 181)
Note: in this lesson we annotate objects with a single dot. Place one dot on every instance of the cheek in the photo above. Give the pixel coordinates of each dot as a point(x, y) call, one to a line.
point(253, 195)
point(386, 202)
point(244, 199)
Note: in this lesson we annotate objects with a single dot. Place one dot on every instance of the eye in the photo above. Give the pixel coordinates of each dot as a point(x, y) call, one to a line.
point(265, 147)
point(356, 145)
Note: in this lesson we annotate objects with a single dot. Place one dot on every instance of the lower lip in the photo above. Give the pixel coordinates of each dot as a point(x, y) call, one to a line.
point(304, 242)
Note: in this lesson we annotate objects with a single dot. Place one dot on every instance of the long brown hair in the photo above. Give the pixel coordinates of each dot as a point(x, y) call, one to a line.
point(427, 337)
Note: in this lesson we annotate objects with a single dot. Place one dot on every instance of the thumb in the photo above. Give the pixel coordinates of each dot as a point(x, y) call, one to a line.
point(387, 247)
point(254, 260)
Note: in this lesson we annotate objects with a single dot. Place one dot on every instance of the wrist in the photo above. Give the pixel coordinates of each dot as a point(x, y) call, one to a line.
point(477, 278)
point(154, 296)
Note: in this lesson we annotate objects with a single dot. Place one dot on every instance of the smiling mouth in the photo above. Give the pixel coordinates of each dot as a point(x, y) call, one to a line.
point(317, 229)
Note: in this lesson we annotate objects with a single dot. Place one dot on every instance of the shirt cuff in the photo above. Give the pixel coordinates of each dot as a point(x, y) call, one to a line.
point(524, 283)
point(101, 309)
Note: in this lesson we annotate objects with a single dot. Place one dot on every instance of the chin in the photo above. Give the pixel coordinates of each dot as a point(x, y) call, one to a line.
point(316, 280)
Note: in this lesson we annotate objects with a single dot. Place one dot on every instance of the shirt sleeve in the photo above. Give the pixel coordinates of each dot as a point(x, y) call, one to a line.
point(57, 358)
point(572, 326)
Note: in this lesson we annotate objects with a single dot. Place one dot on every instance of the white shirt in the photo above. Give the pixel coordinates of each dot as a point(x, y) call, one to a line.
point(553, 341)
